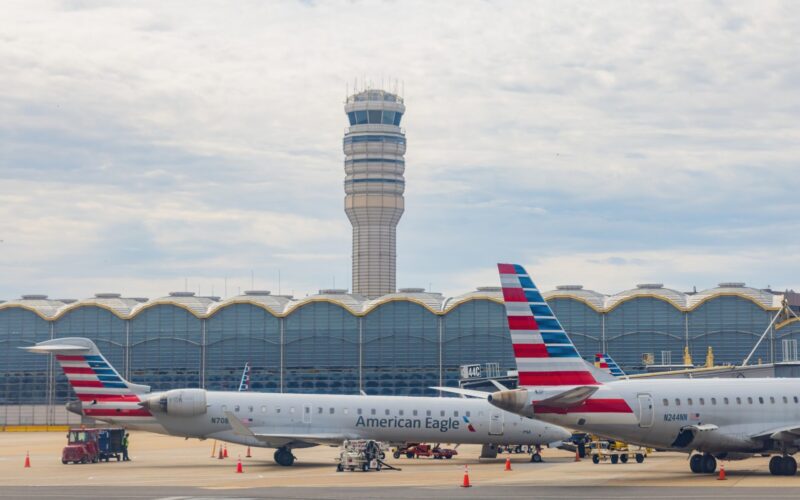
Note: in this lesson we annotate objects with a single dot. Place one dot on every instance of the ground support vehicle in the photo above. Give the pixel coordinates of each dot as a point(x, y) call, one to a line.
point(362, 454)
point(416, 450)
point(110, 443)
point(616, 452)
point(82, 447)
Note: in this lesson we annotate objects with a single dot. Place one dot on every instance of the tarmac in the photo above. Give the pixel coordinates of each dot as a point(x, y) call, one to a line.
point(168, 467)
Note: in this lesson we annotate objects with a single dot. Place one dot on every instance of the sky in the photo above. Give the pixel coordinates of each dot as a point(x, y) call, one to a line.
point(150, 147)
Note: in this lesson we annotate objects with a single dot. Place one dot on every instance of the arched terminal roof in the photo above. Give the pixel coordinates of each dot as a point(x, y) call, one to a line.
point(39, 304)
point(282, 305)
point(593, 299)
point(654, 290)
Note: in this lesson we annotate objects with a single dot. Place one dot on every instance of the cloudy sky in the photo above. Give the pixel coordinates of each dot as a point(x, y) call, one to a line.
point(147, 145)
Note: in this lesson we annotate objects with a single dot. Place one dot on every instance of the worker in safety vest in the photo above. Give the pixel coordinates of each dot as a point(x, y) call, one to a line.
point(125, 441)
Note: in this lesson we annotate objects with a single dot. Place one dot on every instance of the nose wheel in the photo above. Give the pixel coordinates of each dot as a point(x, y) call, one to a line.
point(782, 466)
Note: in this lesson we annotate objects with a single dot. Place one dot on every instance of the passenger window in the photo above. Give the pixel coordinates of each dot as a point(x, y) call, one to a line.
point(236, 408)
point(785, 400)
point(467, 414)
point(360, 411)
point(263, 409)
point(749, 400)
point(277, 410)
point(725, 400)
point(386, 411)
point(441, 413)
point(665, 402)
point(330, 410)
point(713, 401)
point(250, 409)
point(401, 412)
point(795, 399)
point(689, 401)
point(306, 409)
point(414, 412)
point(738, 400)
point(702, 401)
point(373, 412)
point(428, 412)
point(760, 400)
point(455, 413)
point(320, 410)
point(677, 402)
point(772, 400)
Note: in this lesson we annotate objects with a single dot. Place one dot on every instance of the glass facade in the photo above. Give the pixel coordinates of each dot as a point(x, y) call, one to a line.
point(395, 346)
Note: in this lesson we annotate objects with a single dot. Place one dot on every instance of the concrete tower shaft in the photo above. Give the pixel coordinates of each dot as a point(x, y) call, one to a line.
point(374, 146)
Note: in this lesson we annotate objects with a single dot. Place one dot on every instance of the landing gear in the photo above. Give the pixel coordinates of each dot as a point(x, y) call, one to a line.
point(782, 466)
point(703, 464)
point(695, 463)
point(283, 456)
point(536, 456)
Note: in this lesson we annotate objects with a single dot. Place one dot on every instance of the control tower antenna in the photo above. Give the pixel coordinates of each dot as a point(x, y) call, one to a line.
point(374, 146)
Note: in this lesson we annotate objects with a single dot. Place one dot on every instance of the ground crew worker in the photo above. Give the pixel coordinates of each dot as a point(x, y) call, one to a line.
point(125, 457)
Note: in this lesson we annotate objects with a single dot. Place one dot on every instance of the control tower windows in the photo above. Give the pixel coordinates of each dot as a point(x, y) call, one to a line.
point(374, 115)
point(388, 118)
point(361, 117)
point(352, 117)
point(397, 117)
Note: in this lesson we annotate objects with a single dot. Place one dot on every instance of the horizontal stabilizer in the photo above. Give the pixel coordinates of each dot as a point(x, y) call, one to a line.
point(568, 399)
point(463, 392)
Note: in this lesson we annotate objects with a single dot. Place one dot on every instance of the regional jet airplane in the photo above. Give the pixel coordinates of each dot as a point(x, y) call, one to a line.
point(728, 419)
point(286, 421)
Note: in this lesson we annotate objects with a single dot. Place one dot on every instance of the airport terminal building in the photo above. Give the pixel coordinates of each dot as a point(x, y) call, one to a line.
point(336, 342)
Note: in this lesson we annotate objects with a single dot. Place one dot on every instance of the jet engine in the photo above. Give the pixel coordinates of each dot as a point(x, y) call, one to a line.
point(514, 400)
point(178, 402)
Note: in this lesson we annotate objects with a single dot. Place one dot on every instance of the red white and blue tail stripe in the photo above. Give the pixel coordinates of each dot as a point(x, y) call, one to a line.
point(605, 363)
point(545, 355)
point(103, 393)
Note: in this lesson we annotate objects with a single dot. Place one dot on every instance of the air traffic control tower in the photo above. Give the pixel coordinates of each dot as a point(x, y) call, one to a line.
point(374, 146)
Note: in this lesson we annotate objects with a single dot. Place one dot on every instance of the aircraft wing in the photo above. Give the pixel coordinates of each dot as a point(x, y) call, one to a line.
point(463, 392)
point(284, 438)
point(789, 433)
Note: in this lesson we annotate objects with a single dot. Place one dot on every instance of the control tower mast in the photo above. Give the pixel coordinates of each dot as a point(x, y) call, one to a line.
point(374, 146)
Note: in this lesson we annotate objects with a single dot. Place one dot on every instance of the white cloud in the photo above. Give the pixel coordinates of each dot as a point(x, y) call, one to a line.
point(153, 140)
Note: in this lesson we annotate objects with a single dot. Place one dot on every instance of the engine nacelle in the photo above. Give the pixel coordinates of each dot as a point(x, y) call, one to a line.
point(178, 403)
point(514, 400)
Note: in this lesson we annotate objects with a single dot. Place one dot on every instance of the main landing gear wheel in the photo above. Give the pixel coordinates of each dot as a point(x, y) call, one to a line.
point(696, 463)
point(614, 459)
point(284, 457)
point(639, 458)
point(595, 459)
point(782, 466)
point(709, 464)
point(623, 459)
point(536, 458)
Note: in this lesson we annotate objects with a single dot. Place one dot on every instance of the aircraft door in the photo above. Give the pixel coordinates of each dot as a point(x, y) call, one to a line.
point(306, 414)
point(646, 410)
point(496, 422)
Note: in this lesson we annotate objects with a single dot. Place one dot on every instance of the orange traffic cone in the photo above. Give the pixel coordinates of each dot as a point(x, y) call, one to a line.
point(577, 455)
point(225, 451)
point(220, 453)
point(27, 460)
point(248, 453)
point(508, 464)
point(721, 473)
point(239, 466)
point(466, 484)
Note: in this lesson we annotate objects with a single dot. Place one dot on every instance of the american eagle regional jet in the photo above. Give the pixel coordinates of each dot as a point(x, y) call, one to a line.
point(727, 419)
point(286, 421)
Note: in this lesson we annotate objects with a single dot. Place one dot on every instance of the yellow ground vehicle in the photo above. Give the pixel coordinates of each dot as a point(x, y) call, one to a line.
point(616, 452)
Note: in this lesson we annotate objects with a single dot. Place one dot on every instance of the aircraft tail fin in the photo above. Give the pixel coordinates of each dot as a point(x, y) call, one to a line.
point(102, 390)
point(608, 365)
point(545, 355)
